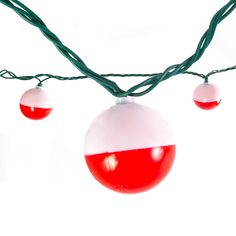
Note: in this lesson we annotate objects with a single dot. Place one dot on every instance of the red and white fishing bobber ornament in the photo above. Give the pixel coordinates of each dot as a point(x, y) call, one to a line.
point(207, 96)
point(35, 103)
point(129, 148)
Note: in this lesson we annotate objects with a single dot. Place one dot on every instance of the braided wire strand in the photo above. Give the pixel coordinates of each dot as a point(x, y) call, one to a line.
point(43, 77)
point(153, 80)
point(220, 71)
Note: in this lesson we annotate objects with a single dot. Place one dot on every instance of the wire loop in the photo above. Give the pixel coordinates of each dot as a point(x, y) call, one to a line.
point(147, 85)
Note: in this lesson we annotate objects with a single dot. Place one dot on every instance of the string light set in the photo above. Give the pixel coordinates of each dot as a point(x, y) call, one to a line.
point(129, 148)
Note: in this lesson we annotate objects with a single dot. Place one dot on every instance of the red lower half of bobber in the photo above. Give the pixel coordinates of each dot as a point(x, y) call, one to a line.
point(35, 113)
point(207, 105)
point(132, 171)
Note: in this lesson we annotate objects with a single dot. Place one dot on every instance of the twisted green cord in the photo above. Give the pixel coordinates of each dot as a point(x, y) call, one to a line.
point(5, 74)
point(112, 87)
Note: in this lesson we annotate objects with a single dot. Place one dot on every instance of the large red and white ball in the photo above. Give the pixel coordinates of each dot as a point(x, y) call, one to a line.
point(207, 96)
point(35, 104)
point(129, 148)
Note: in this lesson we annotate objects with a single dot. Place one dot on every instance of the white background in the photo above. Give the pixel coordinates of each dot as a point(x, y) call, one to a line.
point(46, 188)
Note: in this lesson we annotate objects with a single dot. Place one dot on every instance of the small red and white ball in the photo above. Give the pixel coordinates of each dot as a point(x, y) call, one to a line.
point(35, 104)
point(129, 148)
point(207, 96)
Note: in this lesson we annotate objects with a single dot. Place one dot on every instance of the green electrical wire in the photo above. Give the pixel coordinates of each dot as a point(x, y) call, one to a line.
point(5, 74)
point(153, 80)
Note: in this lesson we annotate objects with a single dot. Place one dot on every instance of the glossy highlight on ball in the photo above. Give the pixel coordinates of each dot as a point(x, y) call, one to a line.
point(132, 171)
point(207, 96)
point(35, 113)
point(207, 105)
point(35, 104)
point(129, 148)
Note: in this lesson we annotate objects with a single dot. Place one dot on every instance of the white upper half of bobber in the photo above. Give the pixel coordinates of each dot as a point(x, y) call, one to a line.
point(36, 97)
point(207, 93)
point(127, 126)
